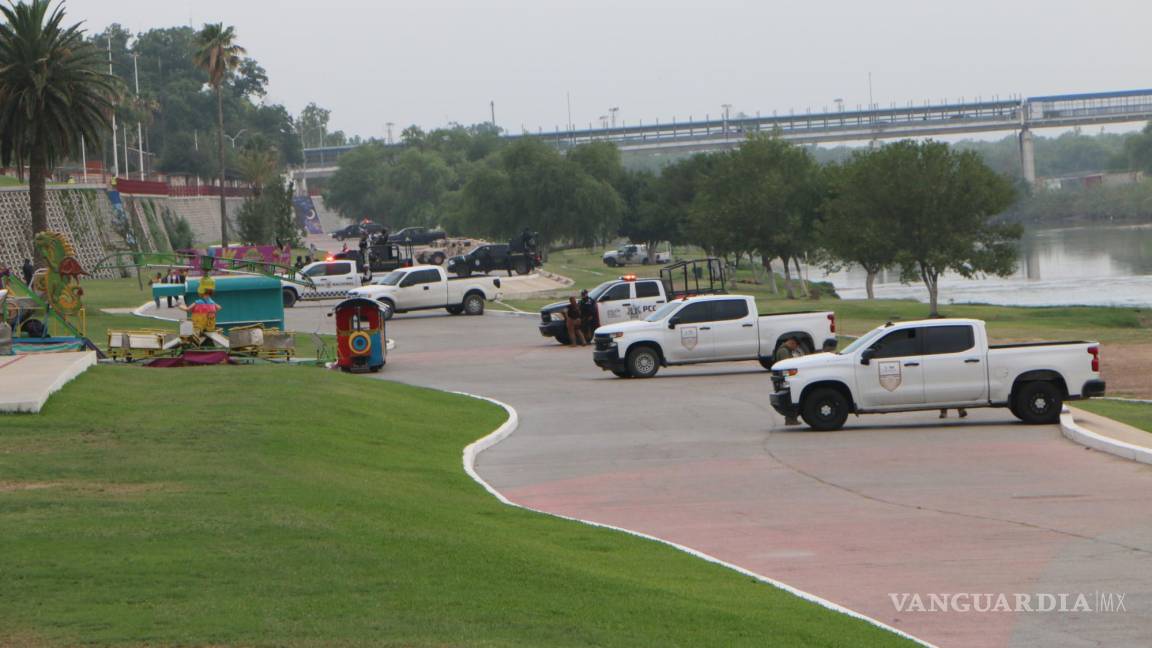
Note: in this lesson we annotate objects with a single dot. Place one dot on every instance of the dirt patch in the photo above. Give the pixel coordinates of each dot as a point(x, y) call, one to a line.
point(1128, 369)
point(89, 488)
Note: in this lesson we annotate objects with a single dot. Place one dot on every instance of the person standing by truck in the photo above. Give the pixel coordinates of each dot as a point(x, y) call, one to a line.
point(790, 349)
point(573, 321)
point(587, 314)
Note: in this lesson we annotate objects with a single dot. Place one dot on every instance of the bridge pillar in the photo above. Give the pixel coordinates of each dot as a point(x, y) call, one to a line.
point(1028, 157)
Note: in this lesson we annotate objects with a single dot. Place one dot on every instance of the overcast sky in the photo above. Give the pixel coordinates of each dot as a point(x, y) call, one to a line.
point(435, 61)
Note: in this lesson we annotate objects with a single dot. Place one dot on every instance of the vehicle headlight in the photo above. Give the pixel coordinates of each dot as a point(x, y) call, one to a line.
point(557, 317)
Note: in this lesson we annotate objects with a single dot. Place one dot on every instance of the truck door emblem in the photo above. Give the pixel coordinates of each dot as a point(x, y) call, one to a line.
point(890, 376)
point(689, 337)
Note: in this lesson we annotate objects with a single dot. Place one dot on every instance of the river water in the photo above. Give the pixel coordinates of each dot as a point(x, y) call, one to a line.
point(1095, 265)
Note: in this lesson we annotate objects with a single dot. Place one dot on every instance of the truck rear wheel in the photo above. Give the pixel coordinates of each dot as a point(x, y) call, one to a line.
point(1038, 403)
point(825, 409)
point(473, 304)
point(643, 362)
point(289, 298)
point(610, 262)
point(522, 267)
point(437, 258)
point(387, 309)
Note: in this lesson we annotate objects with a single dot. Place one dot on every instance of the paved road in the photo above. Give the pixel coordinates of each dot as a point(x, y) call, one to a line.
point(893, 504)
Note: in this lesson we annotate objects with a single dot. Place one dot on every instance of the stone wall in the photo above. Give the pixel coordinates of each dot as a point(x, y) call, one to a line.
point(82, 214)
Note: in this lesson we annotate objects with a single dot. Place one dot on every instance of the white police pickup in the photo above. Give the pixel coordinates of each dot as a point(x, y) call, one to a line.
point(710, 328)
point(633, 253)
point(428, 286)
point(330, 280)
point(936, 364)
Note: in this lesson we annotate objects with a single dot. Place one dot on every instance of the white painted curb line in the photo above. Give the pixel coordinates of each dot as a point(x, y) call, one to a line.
point(509, 426)
point(1102, 443)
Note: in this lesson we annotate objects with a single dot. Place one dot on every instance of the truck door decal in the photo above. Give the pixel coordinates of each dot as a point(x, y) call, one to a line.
point(890, 374)
point(689, 337)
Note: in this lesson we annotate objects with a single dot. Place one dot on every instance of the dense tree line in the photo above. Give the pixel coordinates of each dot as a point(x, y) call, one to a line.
point(920, 207)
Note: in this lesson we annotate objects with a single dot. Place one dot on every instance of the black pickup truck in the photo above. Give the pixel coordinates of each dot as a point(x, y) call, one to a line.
point(495, 256)
point(416, 236)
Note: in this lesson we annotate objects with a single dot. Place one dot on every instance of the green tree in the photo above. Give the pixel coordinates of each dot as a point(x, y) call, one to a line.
point(219, 56)
point(53, 95)
point(314, 124)
point(267, 218)
point(940, 205)
point(856, 229)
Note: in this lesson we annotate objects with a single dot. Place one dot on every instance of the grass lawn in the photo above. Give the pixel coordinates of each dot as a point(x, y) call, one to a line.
point(1137, 415)
point(1006, 323)
point(290, 506)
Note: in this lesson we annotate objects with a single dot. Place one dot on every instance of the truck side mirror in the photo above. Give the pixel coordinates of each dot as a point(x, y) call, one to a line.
point(673, 322)
point(866, 356)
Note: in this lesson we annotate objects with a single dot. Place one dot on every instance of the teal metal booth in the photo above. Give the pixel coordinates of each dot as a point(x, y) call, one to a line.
point(244, 299)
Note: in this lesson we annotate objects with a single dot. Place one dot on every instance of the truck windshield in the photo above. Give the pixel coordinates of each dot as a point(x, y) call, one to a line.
point(862, 342)
point(663, 311)
point(390, 279)
point(595, 293)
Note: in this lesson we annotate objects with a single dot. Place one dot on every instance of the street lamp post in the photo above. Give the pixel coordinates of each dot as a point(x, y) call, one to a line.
point(727, 108)
point(612, 111)
point(233, 138)
point(139, 126)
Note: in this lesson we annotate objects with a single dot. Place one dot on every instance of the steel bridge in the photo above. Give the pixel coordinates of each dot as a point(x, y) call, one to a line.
point(1022, 115)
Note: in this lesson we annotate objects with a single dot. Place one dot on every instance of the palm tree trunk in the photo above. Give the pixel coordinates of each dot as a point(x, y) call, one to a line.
point(37, 199)
point(220, 151)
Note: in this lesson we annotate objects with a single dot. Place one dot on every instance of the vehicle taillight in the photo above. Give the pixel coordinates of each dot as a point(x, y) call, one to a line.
point(832, 322)
point(1095, 351)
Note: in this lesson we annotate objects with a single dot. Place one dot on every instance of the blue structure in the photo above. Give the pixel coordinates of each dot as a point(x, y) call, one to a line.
point(244, 299)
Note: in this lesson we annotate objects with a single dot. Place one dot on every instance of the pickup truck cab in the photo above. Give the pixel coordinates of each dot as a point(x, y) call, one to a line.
point(618, 300)
point(711, 328)
point(632, 253)
point(424, 287)
point(936, 364)
point(330, 280)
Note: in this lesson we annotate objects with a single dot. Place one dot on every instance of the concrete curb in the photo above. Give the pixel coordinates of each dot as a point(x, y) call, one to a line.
point(1096, 441)
point(142, 311)
point(566, 281)
point(513, 422)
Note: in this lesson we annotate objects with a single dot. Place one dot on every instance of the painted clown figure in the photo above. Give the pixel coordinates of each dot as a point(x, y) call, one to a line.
point(203, 310)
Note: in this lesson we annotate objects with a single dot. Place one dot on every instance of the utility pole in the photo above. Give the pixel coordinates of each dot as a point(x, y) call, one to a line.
point(612, 111)
point(492, 106)
point(115, 158)
point(389, 126)
point(139, 126)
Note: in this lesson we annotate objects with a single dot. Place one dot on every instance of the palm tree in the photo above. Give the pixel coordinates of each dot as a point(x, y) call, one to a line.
point(54, 95)
point(218, 54)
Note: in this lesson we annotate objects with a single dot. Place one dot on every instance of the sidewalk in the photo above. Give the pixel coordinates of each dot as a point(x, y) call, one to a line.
point(26, 381)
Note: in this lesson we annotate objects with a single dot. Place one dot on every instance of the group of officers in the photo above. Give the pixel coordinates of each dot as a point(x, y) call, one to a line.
point(581, 319)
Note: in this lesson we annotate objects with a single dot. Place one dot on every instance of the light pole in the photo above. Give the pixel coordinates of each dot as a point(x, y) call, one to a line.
point(389, 125)
point(727, 108)
point(233, 138)
point(604, 121)
point(115, 155)
point(139, 126)
point(612, 111)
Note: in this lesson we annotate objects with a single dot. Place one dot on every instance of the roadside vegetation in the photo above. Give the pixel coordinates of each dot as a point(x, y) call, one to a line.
point(1138, 415)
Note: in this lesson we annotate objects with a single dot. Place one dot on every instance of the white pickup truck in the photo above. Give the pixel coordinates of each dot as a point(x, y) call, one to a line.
point(331, 280)
point(936, 364)
point(428, 286)
point(632, 253)
point(710, 328)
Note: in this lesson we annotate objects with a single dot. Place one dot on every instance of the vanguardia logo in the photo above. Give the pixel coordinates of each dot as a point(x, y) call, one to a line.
point(1093, 602)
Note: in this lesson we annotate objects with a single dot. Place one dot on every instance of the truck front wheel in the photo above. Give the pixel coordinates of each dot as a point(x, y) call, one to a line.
point(825, 409)
point(1038, 403)
point(473, 304)
point(289, 298)
point(643, 362)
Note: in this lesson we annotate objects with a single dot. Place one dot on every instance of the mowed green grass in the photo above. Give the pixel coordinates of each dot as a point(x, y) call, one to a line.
point(290, 506)
point(1006, 323)
point(1138, 415)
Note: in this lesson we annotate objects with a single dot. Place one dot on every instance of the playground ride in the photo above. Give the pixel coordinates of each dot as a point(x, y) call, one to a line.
point(247, 292)
point(361, 345)
point(48, 315)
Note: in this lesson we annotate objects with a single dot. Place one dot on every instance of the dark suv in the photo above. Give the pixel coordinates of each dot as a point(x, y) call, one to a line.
point(357, 230)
